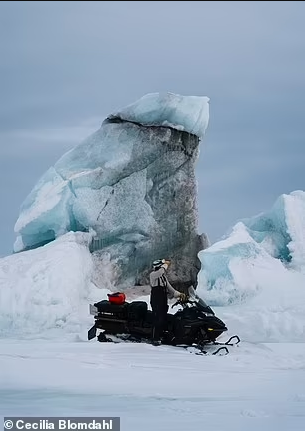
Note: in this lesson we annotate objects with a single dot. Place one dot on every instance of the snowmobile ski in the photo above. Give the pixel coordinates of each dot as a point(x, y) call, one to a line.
point(195, 349)
point(228, 342)
point(201, 350)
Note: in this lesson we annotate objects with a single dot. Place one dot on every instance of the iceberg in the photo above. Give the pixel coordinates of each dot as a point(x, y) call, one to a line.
point(274, 239)
point(132, 184)
point(256, 274)
point(45, 292)
point(127, 195)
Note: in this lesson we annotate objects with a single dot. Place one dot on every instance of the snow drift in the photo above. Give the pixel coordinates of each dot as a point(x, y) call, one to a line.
point(45, 292)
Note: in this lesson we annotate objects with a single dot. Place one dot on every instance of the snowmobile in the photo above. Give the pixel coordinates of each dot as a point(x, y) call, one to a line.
point(193, 326)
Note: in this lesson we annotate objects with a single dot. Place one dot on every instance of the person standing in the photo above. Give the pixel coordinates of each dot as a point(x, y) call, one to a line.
point(161, 290)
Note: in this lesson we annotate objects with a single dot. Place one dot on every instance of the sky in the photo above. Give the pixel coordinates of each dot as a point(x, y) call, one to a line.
point(66, 65)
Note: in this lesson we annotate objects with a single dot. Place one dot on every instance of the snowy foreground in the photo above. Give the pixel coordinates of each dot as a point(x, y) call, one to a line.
point(256, 387)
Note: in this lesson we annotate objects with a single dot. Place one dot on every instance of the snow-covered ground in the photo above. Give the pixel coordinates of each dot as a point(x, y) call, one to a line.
point(256, 387)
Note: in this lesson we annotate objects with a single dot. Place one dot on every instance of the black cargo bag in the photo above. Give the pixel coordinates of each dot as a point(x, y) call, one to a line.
point(105, 307)
point(137, 310)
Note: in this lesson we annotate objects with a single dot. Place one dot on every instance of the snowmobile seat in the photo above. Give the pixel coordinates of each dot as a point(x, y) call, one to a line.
point(137, 310)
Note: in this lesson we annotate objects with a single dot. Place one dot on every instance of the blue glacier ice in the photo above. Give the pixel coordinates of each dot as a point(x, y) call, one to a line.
point(270, 243)
point(190, 114)
point(132, 184)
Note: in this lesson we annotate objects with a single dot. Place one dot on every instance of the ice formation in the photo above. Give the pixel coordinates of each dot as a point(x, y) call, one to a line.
point(252, 285)
point(277, 234)
point(272, 239)
point(132, 183)
point(45, 292)
point(190, 114)
point(258, 272)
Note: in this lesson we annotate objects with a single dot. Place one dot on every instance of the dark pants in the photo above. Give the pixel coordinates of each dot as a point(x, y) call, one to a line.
point(158, 302)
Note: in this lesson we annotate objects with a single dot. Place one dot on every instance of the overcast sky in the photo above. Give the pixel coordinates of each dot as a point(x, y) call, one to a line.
point(64, 66)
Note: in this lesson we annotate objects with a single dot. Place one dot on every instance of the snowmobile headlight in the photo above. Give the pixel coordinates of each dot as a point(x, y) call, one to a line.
point(210, 329)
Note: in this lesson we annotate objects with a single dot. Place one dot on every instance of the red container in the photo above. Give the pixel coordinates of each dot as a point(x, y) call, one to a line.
point(116, 298)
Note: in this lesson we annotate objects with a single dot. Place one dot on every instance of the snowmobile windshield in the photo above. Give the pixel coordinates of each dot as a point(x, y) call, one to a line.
point(204, 306)
point(200, 302)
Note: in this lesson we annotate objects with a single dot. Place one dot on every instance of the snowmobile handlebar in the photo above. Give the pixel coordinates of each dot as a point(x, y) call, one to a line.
point(179, 302)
